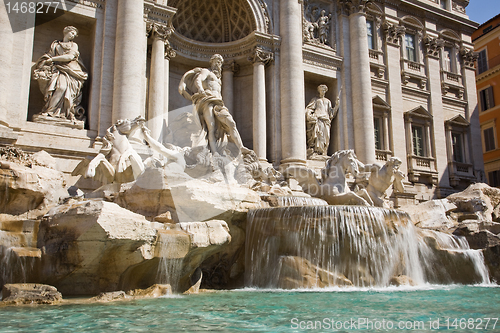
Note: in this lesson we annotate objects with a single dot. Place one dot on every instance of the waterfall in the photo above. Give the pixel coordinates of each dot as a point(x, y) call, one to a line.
point(318, 246)
point(170, 264)
point(18, 261)
point(286, 201)
point(449, 259)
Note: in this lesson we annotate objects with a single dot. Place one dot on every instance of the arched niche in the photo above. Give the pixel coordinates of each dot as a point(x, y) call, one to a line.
point(231, 28)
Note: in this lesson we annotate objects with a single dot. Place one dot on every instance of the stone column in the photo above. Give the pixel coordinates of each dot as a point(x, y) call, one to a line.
point(344, 116)
point(107, 69)
point(449, 144)
point(472, 113)
point(7, 37)
point(364, 134)
point(259, 59)
point(432, 52)
point(169, 54)
point(393, 33)
point(156, 102)
point(228, 71)
point(293, 123)
point(129, 57)
point(387, 128)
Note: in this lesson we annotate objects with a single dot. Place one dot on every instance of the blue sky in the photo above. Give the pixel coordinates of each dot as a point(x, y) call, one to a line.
point(482, 10)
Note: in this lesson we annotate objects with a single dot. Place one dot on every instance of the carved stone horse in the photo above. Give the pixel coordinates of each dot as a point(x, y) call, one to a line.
point(332, 187)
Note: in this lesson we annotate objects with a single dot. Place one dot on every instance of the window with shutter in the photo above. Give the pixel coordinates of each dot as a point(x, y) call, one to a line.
point(482, 62)
point(486, 99)
point(489, 139)
point(458, 147)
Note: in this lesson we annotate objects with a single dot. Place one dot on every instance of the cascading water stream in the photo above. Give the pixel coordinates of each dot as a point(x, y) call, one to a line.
point(317, 246)
point(170, 267)
point(287, 201)
point(17, 261)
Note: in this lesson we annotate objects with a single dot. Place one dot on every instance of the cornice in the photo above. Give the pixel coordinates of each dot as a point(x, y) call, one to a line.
point(454, 101)
point(321, 57)
point(432, 12)
point(487, 74)
point(99, 4)
point(240, 49)
point(158, 14)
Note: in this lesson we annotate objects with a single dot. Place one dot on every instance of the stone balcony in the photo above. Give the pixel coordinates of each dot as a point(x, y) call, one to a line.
point(460, 171)
point(377, 66)
point(421, 168)
point(383, 155)
point(451, 83)
point(413, 72)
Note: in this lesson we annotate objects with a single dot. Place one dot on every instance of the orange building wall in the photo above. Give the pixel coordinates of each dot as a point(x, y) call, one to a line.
point(491, 77)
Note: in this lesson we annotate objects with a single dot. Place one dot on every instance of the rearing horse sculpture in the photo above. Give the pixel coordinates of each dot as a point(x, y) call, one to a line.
point(332, 187)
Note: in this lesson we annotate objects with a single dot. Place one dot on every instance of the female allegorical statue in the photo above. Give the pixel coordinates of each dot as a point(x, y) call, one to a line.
point(319, 115)
point(61, 74)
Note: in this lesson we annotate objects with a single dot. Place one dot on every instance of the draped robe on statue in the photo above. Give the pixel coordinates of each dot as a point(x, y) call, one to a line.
point(319, 115)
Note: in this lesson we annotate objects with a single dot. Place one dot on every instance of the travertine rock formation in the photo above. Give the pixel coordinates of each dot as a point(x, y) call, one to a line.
point(30, 293)
point(26, 184)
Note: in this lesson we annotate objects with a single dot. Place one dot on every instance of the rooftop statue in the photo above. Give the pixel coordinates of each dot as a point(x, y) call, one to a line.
point(60, 75)
point(319, 116)
point(203, 87)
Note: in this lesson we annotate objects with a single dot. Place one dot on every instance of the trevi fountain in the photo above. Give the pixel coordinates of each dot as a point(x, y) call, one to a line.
point(187, 223)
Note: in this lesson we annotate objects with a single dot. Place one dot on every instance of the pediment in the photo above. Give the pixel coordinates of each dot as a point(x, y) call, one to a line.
point(379, 103)
point(449, 34)
point(458, 120)
point(419, 112)
point(412, 21)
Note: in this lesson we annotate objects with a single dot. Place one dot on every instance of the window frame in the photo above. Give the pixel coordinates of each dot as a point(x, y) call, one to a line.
point(495, 183)
point(420, 117)
point(452, 59)
point(418, 149)
point(461, 137)
point(486, 98)
point(493, 138)
point(371, 38)
point(414, 48)
point(482, 56)
point(382, 112)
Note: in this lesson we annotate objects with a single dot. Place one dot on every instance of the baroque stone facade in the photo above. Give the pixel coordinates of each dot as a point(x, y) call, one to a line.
point(402, 73)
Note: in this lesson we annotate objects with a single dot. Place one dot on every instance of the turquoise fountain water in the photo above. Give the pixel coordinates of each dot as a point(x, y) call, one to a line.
point(367, 246)
point(427, 308)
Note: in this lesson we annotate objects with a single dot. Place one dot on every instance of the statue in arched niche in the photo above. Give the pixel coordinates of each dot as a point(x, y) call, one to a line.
point(203, 86)
point(319, 116)
point(60, 75)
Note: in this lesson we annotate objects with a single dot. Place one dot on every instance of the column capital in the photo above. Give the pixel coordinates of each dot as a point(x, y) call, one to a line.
point(468, 56)
point(393, 33)
point(231, 66)
point(433, 46)
point(260, 56)
point(158, 30)
point(350, 7)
